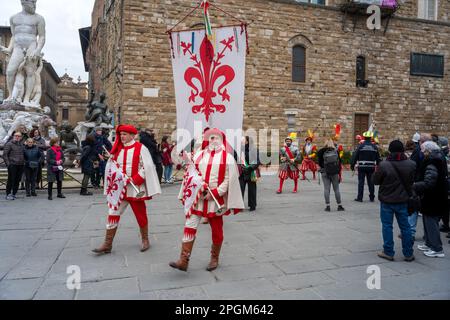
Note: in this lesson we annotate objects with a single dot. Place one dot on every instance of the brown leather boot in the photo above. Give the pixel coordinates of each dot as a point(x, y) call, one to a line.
point(145, 241)
point(214, 262)
point(107, 245)
point(183, 262)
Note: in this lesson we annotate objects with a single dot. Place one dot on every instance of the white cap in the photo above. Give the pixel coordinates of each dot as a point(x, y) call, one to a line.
point(416, 137)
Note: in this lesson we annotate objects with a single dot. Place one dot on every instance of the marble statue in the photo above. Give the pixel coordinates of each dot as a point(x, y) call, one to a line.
point(25, 55)
point(98, 111)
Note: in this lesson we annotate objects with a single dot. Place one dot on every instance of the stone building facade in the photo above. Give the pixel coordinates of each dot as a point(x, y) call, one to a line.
point(50, 81)
point(130, 51)
point(72, 101)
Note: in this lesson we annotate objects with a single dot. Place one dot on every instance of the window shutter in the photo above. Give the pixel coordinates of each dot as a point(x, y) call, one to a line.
point(298, 64)
point(421, 9)
point(431, 10)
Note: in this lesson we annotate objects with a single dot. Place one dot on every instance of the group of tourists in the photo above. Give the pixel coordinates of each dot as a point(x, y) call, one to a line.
point(412, 173)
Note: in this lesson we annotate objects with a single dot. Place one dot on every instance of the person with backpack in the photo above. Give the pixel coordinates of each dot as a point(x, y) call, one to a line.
point(330, 165)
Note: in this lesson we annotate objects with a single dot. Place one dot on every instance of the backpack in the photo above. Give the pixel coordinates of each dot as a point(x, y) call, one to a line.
point(331, 162)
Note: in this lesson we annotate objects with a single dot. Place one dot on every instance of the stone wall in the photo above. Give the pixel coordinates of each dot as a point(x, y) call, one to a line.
point(399, 103)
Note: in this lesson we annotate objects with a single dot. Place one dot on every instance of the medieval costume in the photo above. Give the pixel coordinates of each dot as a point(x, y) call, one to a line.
point(220, 179)
point(134, 161)
point(289, 158)
point(309, 153)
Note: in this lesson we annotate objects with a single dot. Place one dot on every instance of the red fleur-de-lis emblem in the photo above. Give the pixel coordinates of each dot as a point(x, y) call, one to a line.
point(112, 184)
point(208, 70)
point(187, 190)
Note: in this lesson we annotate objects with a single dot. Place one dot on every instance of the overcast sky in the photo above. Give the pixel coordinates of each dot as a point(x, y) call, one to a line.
point(63, 18)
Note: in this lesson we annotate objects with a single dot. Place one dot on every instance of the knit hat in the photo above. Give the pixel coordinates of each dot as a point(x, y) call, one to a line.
point(396, 146)
point(416, 137)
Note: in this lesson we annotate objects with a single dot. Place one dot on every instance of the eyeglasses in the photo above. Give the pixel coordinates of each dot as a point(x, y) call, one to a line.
point(18, 135)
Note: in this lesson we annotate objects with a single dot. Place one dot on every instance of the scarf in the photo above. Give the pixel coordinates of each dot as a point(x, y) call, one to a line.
point(57, 151)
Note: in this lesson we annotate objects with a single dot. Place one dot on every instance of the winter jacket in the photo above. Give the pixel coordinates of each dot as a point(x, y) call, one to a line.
point(152, 146)
point(13, 153)
point(432, 185)
point(101, 141)
point(166, 155)
point(391, 188)
point(32, 154)
point(51, 162)
point(88, 156)
point(366, 156)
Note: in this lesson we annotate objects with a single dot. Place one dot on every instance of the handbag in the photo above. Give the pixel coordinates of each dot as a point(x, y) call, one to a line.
point(33, 164)
point(414, 199)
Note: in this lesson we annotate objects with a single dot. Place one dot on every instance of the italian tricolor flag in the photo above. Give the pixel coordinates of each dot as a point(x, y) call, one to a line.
point(205, 6)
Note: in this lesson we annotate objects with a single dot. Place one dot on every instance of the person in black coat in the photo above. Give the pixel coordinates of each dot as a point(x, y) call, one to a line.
point(249, 172)
point(432, 186)
point(33, 157)
point(100, 141)
point(55, 170)
point(147, 138)
point(87, 160)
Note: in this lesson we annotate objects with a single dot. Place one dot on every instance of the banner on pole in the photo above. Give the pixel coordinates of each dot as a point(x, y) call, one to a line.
point(209, 78)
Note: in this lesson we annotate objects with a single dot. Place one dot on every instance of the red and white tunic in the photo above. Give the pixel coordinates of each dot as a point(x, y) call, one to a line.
point(219, 171)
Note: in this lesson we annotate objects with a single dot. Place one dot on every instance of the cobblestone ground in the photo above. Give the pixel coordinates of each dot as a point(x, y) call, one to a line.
point(288, 249)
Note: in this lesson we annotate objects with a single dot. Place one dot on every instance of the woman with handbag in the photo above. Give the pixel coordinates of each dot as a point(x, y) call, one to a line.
point(33, 157)
point(55, 160)
point(42, 146)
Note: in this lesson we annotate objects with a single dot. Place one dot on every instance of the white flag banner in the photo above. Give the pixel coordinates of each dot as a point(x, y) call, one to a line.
point(115, 185)
point(193, 187)
point(209, 77)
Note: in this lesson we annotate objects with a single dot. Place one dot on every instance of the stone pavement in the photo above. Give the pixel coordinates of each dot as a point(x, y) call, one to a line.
point(288, 249)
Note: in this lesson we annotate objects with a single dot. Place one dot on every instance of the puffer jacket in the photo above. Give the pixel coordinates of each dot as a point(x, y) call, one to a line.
point(432, 185)
point(13, 153)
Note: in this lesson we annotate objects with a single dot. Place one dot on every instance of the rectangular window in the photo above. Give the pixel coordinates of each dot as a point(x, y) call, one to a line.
point(431, 65)
point(428, 9)
point(65, 114)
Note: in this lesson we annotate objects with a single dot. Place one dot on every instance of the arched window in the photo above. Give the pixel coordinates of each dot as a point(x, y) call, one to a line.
point(298, 63)
point(361, 72)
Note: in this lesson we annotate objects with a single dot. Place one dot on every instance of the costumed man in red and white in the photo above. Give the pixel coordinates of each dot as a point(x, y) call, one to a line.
point(289, 158)
point(309, 153)
point(133, 161)
point(220, 176)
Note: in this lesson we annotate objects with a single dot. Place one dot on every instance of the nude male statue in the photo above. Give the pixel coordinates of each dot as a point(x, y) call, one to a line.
point(27, 41)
